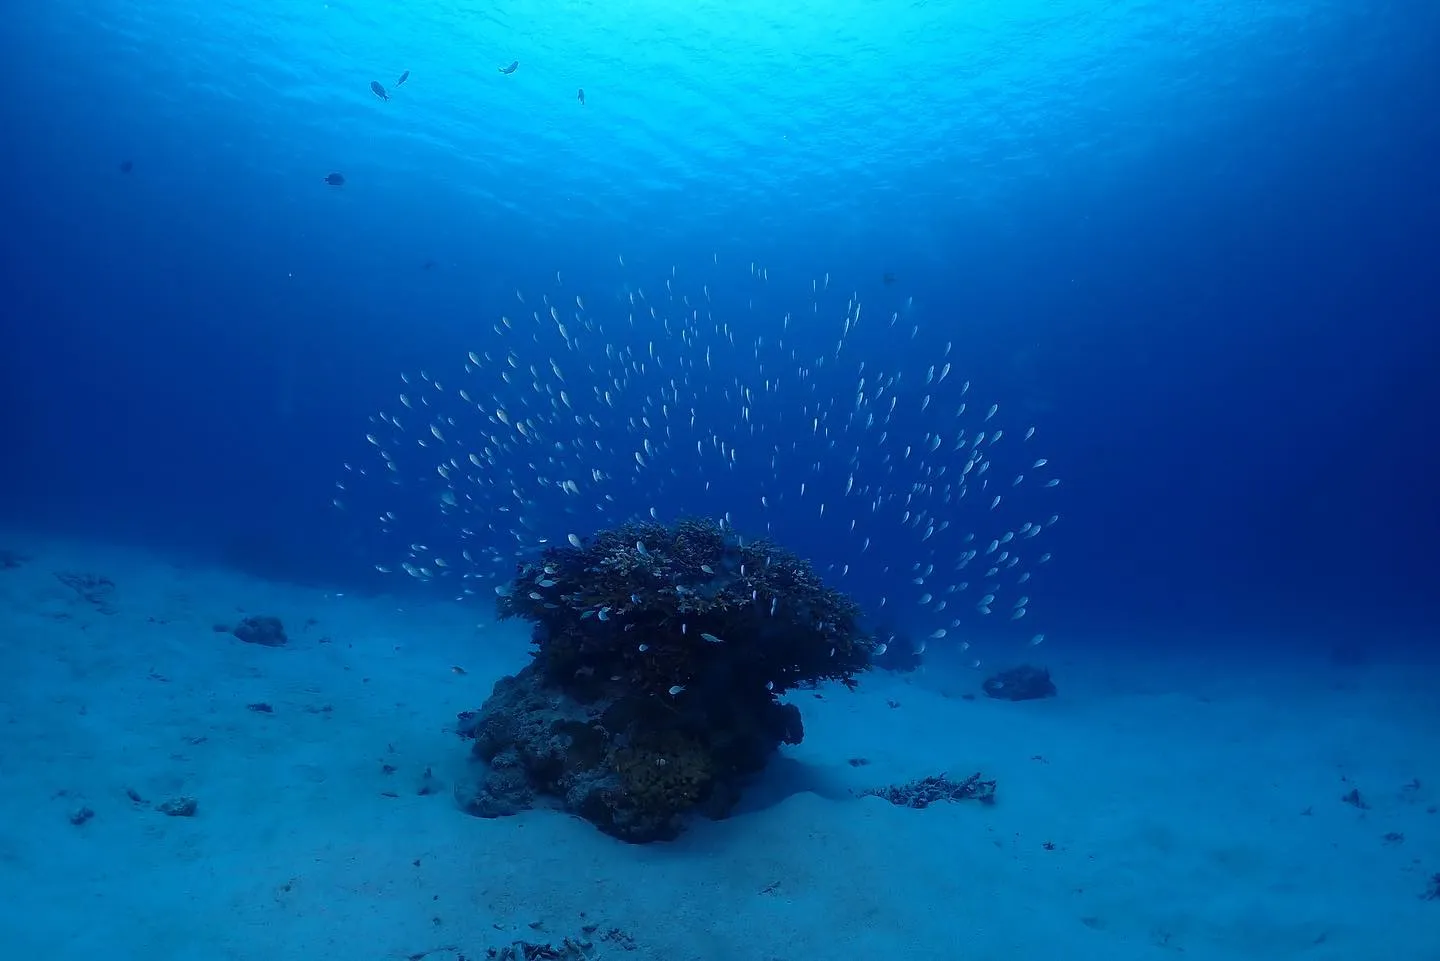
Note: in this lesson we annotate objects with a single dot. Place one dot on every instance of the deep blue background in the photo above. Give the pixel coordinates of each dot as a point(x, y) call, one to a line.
point(1195, 242)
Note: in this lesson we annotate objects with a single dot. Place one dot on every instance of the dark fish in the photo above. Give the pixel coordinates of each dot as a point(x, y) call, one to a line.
point(335, 180)
point(889, 279)
point(403, 77)
point(514, 64)
point(378, 90)
point(582, 96)
point(126, 166)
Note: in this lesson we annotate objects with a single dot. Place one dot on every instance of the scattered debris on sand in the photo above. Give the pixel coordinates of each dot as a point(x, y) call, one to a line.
point(927, 791)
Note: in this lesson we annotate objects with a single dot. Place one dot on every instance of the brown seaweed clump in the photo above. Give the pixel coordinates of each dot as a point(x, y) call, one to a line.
point(660, 656)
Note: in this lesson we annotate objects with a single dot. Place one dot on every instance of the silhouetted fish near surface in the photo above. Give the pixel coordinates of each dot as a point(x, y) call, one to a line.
point(378, 90)
point(126, 166)
point(514, 65)
point(889, 279)
point(582, 96)
point(335, 180)
point(403, 77)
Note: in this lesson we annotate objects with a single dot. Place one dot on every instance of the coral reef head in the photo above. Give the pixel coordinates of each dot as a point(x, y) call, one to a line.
point(694, 607)
point(661, 653)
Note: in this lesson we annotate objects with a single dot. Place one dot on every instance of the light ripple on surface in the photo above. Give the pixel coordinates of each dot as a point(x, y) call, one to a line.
point(737, 110)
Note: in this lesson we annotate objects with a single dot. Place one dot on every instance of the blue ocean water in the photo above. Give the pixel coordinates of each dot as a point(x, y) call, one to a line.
point(1192, 242)
point(1192, 245)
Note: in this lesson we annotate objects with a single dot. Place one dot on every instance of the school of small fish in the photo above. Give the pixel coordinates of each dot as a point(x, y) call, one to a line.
point(564, 419)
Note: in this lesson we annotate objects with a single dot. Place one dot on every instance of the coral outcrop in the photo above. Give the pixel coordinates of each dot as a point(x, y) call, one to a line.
point(899, 652)
point(660, 657)
point(1023, 683)
point(260, 629)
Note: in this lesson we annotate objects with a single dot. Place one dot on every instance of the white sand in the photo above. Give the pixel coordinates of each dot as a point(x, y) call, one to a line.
point(1172, 790)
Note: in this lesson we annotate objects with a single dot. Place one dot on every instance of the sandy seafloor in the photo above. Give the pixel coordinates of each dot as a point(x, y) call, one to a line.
point(1194, 807)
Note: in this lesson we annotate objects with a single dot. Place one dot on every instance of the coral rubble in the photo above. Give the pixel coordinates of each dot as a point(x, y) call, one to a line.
point(570, 949)
point(660, 655)
point(926, 791)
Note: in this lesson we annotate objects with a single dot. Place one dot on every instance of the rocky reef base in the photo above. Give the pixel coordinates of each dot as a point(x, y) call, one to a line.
point(635, 767)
